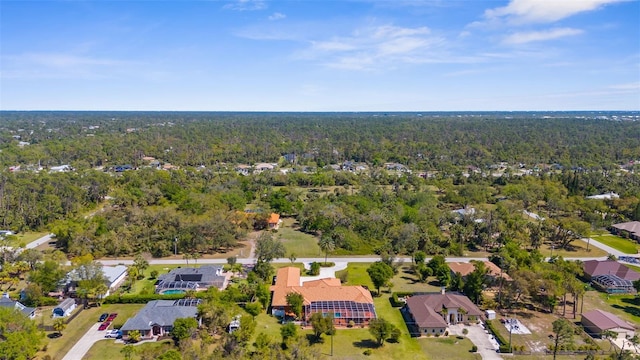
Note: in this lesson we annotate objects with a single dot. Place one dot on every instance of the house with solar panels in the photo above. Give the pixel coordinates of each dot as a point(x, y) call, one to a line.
point(181, 280)
point(157, 317)
point(326, 296)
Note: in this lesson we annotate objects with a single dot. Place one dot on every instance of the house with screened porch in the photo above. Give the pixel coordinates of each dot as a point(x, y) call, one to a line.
point(327, 296)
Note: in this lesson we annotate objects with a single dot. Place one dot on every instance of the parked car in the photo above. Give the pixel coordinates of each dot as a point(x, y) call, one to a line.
point(103, 317)
point(104, 326)
point(112, 316)
point(113, 334)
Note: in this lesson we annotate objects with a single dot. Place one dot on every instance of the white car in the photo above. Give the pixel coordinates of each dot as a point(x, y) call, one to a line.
point(114, 334)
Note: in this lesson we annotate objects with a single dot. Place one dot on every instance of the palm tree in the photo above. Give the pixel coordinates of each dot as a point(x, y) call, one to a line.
point(58, 325)
point(326, 244)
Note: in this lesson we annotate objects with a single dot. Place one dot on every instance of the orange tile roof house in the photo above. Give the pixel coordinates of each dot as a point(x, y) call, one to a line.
point(274, 221)
point(346, 303)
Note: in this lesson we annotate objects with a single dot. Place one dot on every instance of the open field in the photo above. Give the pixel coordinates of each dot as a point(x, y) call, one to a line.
point(578, 249)
point(297, 242)
point(403, 281)
point(625, 245)
point(58, 347)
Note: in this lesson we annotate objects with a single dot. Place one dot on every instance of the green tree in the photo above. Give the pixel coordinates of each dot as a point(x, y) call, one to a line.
point(183, 328)
point(295, 301)
point(47, 275)
point(267, 248)
point(141, 264)
point(419, 257)
point(562, 335)
point(59, 324)
point(134, 336)
point(322, 324)
point(476, 281)
point(381, 329)
point(380, 273)
point(20, 337)
point(327, 245)
point(288, 331)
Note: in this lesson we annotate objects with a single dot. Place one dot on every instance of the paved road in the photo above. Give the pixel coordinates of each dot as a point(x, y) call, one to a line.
point(604, 247)
point(83, 345)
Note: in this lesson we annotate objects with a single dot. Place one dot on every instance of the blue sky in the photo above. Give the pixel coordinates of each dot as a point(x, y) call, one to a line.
point(330, 55)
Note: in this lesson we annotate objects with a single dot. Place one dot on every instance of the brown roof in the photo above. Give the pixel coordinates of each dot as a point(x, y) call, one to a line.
point(466, 268)
point(609, 267)
point(426, 308)
point(632, 226)
point(605, 321)
point(317, 290)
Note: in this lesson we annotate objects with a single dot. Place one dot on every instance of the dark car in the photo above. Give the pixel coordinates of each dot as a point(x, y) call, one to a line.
point(104, 326)
point(103, 317)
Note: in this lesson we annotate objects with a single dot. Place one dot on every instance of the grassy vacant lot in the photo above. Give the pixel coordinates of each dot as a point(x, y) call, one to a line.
point(578, 249)
point(58, 347)
point(454, 348)
point(297, 242)
point(403, 281)
point(625, 245)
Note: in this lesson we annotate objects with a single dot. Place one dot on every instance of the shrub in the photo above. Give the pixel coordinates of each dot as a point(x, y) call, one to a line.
point(315, 269)
point(154, 274)
point(140, 299)
point(327, 264)
point(474, 349)
point(465, 332)
point(367, 352)
point(351, 323)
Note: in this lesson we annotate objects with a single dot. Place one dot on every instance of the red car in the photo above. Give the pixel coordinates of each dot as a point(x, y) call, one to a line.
point(104, 325)
point(112, 317)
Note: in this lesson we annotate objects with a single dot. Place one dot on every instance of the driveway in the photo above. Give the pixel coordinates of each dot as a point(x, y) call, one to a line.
point(486, 347)
point(328, 272)
point(83, 345)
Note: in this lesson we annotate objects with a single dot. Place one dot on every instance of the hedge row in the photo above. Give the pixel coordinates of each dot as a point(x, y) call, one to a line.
point(140, 299)
point(395, 302)
point(504, 344)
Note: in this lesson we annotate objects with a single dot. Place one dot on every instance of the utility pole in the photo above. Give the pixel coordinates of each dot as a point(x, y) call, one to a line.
point(175, 246)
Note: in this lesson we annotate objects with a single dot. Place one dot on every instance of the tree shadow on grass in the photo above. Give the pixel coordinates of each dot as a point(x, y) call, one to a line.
point(633, 301)
point(629, 309)
point(366, 344)
point(409, 279)
point(312, 339)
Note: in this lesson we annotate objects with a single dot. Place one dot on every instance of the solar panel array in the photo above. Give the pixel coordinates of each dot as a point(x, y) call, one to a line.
point(187, 302)
point(343, 309)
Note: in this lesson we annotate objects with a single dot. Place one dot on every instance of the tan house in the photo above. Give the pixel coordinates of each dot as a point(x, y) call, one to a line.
point(431, 314)
point(466, 268)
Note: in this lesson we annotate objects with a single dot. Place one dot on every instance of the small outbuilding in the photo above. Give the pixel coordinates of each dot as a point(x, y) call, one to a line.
point(597, 321)
point(65, 308)
point(491, 314)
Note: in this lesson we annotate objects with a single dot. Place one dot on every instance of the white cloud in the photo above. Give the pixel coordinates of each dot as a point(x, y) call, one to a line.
point(246, 5)
point(277, 16)
point(531, 36)
point(543, 11)
point(628, 86)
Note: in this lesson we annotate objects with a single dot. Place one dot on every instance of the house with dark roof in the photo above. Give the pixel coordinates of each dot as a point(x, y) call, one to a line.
point(326, 296)
point(5, 301)
point(628, 229)
point(180, 280)
point(595, 322)
point(158, 316)
point(465, 268)
point(593, 268)
point(430, 314)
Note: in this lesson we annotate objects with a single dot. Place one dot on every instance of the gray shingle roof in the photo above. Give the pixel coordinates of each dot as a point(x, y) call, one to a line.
point(6, 302)
point(159, 312)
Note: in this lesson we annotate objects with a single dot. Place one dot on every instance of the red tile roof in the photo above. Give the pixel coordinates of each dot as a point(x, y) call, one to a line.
point(273, 218)
point(466, 268)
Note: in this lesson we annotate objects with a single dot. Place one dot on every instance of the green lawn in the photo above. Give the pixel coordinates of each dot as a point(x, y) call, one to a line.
point(357, 275)
point(578, 249)
point(21, 240)
point(456, 349)
point(58, 347)
point(625, 245)
point(109, 349)
point(633, 267)
point(403, 281)
point(297, 242)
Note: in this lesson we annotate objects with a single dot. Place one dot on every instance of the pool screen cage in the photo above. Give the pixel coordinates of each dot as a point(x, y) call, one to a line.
point(349, 310)
point(613, 283)
point(176, 285)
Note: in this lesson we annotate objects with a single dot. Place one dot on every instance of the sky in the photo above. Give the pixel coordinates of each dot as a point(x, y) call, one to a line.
point(329, 55)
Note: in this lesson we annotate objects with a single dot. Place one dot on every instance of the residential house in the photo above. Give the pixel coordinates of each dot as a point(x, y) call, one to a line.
point(158, 316)
point(628, 229)
point(65, 308)
point(594, 268)
point(260, 167)
point(466, 268)
point(243, 169)
point(5, 301)
point(326, 296)
point(113, 277)
point(180, 280)
point(274, 221)
point(597, 321)
point(430, 314)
